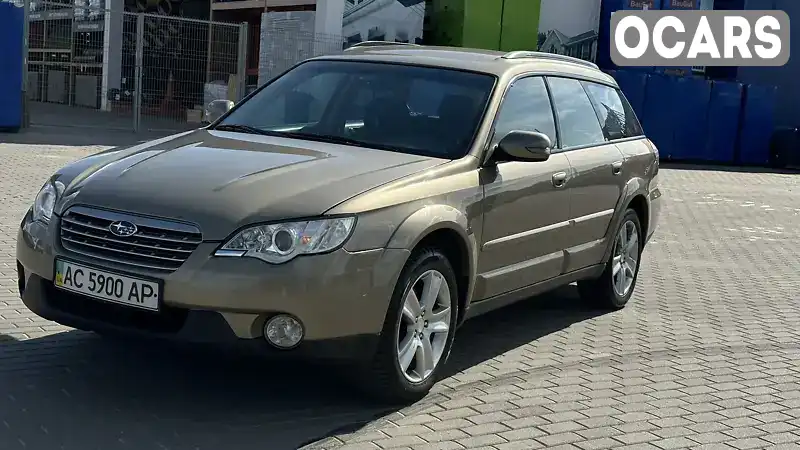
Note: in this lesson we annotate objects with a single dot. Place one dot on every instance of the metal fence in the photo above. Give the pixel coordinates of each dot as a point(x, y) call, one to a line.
point(282, 49)
point(107, 68)
point(287, 38)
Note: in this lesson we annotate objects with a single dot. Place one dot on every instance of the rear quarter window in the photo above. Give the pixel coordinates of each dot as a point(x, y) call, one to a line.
point(615, 113)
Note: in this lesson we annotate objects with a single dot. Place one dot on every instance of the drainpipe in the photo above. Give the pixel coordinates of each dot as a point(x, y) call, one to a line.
point(26, 14)
point(502, 15)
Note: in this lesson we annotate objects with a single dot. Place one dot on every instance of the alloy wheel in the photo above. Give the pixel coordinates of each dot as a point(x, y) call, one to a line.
point(626, 258)
point(424, 326)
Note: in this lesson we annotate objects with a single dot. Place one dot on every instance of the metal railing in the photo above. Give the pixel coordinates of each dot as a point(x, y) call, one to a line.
point(111, 69)
point(108, 68)
point(370, 44)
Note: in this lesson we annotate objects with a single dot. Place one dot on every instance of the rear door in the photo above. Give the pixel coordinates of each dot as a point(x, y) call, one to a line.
point(622, 127)
point(597, 166)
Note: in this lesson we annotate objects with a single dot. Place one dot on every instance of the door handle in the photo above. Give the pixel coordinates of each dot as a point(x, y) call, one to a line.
point(559, 179)
point(616, 167)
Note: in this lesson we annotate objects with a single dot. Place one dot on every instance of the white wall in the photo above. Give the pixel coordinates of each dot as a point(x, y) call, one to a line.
point(390, 15)
point(329, 17)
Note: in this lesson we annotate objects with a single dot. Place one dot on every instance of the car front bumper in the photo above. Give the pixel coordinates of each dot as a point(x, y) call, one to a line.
point(341, 298)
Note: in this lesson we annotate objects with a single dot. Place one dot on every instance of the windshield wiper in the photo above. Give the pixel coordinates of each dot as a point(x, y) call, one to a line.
point(289, 134)
point(241, 129)
point(331, 139)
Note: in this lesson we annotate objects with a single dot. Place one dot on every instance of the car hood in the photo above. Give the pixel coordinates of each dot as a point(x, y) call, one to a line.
point(221, 181)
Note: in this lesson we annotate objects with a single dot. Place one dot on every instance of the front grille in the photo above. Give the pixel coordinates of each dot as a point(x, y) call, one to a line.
point(157, 244)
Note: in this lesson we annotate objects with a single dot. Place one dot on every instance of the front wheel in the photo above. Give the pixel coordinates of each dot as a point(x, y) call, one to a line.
point(615, 286)
point(418, 330)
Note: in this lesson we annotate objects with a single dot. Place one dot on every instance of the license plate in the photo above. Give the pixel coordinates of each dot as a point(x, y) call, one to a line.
point(110, 287)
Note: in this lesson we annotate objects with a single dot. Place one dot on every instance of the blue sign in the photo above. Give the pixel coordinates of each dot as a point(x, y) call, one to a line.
point(11, 25)
point(680, 4)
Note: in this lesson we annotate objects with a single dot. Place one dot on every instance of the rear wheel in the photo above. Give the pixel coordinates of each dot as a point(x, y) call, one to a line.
point(418, 330)
point(615, 286)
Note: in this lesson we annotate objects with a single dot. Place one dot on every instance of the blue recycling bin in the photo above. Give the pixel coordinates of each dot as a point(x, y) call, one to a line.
point(758, 124)
point(11, 64)
point(724, 111)
point(659, 111)
point(690, 117)
point(633, 84)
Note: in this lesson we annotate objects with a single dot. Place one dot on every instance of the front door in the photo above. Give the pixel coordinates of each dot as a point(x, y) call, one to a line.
point(526, 208)
point(598, 179)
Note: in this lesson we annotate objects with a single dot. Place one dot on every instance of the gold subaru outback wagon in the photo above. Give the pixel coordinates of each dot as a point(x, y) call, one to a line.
point(358, 207)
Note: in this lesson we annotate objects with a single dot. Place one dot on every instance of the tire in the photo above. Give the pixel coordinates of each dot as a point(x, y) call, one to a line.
point(601, 292)
point(384, 379)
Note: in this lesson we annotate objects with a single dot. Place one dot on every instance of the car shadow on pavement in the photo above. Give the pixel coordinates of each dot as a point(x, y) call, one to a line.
point(493, 334)
point(78, 390)
point(86, 391)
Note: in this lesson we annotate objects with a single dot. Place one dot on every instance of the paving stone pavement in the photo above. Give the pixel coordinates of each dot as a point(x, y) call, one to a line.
point(704, 356)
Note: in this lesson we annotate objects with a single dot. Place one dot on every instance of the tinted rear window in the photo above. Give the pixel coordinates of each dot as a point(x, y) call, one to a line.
point(615, 113)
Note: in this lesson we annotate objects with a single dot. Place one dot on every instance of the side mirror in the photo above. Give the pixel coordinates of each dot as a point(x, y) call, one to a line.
point(525, 146)
point(217, 109)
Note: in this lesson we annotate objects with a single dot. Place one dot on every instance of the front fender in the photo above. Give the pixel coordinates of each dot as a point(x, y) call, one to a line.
point(427, 220)
point(432, 218)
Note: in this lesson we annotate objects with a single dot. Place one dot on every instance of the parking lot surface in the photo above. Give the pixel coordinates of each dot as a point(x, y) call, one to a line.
point(706, 355)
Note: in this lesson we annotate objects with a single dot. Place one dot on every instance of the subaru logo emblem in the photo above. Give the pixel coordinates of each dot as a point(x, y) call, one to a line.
point(122, 228)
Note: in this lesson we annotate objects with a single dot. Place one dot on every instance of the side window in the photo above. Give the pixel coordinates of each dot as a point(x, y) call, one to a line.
point(576, 116)
point(526, 108)
point(615, 113)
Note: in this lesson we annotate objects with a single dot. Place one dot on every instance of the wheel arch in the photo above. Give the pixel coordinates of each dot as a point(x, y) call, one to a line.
point(642, 208)
point(634, 197)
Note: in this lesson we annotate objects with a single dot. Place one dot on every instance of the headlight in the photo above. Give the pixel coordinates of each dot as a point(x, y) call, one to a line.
point(281, 242)
point(46, 200)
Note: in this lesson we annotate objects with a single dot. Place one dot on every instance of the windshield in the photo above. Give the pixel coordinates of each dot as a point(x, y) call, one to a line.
point(410, 109)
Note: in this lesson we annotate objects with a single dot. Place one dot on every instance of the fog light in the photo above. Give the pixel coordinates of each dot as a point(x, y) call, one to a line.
point(283, 331)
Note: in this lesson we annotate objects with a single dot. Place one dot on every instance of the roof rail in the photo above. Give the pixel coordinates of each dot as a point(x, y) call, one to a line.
point(524, 54)
point(379, 44)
